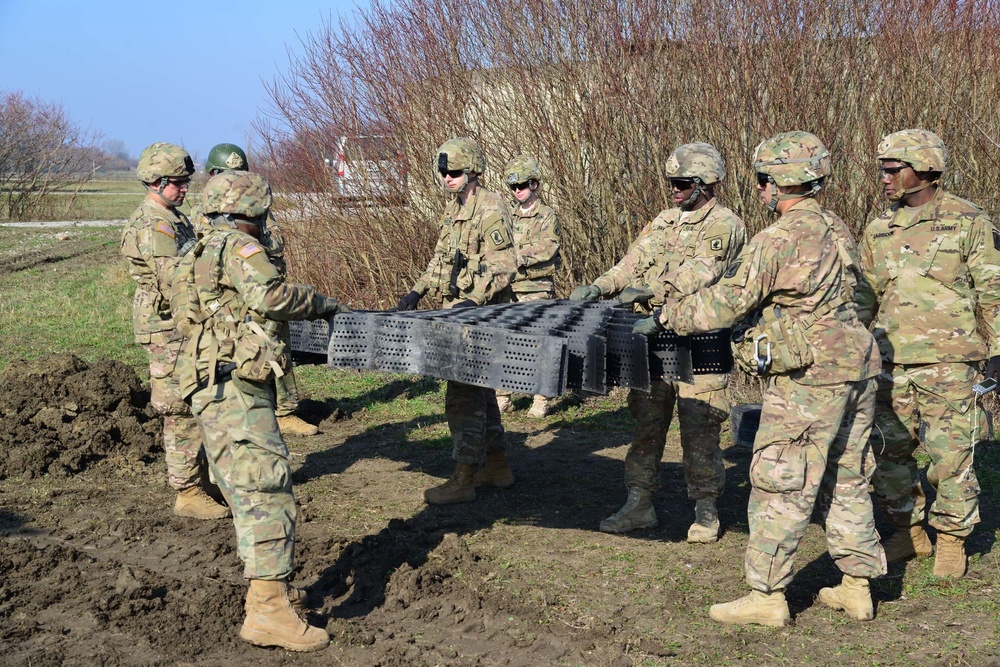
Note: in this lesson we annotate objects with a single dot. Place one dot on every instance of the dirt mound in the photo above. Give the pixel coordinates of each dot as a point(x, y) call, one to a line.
point(59, 415)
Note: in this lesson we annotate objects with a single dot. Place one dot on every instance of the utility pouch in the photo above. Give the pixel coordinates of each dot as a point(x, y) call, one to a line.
point(776, 343)
point(258, 351)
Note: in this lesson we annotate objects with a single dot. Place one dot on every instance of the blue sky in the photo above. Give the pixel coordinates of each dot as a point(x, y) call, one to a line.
point(144, 72)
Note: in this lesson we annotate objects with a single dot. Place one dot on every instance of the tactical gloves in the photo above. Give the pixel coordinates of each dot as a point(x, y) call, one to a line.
point(648, 326)
point(409, 301)
point(464, 303)
point(992, 368)
point(635, 295)
point(585, 293)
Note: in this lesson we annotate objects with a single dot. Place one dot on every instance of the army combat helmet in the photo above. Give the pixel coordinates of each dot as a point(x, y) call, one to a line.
point(226, 157)
point(160, 162)
point(237, 196)
point(920, 149)
point(699, 162)
point(792, 158)
point(461, 154)
point(522, 169)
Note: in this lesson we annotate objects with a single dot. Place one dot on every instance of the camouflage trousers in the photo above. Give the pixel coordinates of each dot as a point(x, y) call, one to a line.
point(519, 298)
point(474, 421)
point(701, 409)
point(285, 388)
point(249, 461)
point(935, 404)
point(182, 439)
point(812, 440)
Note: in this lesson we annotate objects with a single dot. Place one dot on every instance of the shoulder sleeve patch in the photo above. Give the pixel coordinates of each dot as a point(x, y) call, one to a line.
point(497, 237)
point(715, 244)
point(249, 250)
point(733, 268)
point(164, 228)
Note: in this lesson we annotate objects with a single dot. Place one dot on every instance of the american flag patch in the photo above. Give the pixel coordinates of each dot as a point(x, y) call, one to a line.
point(248, 251)
point(165, 229)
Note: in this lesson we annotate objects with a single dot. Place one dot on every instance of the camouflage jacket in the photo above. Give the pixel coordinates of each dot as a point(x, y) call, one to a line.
point(929, 267)
point(679, 251)
point(233, 279)
point(803, 264)
point(480, 232)
point(536, 242)
point(151, 243)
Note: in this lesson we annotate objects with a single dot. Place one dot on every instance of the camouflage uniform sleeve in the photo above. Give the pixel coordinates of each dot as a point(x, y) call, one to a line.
point(984, 267)
point(743, 287)
point(721, 244)
point(544, 246)
point(497, 260)
point(631, 268)
point(431, 278)
point(157, 241)
point(260, 286)
point(871, 284)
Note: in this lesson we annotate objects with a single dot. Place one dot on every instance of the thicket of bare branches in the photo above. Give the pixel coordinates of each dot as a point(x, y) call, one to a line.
point(601, 91)
point(41, 151)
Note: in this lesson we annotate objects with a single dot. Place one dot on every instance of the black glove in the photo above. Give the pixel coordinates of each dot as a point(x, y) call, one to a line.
point(409, 301)
point(648, 326)
point(464, 303)
point(585, 293)
point(992, 368)
point(327, 306)
point(635, 295)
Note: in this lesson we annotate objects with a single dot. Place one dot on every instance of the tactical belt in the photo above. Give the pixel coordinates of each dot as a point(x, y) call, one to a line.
point(223, 374)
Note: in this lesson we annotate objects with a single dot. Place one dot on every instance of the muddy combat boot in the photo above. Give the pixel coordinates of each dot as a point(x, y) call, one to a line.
point(271, 621)
point(635, 514)
point(906, 543)
point(496, 472)
point(852, 595)
point(458, 489)
point(505, 404)
point(705, 528)
point(539, 407)
point(759, 608)
point(951, 560)
point(194, 503)
point(292, 425)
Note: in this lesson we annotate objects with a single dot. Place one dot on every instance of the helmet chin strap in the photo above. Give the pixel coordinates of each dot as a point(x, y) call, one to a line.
point(909, 191)
point(772, 205)
point(699, 188)
point(164, 181)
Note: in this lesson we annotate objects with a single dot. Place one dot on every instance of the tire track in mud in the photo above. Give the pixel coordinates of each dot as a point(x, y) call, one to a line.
point(31, 259)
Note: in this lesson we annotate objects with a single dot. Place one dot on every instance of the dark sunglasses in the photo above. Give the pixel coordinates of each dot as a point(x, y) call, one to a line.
point(519, 186)
point(454, 173)
point(682, 183)
point(762, 179)
point(181, 184)
point(891, 171)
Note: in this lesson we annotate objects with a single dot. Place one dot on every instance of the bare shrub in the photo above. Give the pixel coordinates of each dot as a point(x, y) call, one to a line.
point(41, 151)
point(602, 91)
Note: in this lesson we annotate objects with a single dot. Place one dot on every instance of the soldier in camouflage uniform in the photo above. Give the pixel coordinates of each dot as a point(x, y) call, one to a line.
point(819, 400)
point(230, 157)
point(152, 242)
point(687, 248)
point(227, 299)
point(473, 264)
point(931, 258)
point(536, 241)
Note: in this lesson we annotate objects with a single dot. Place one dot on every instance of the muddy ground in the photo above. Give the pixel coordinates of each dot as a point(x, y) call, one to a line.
point(95, 570)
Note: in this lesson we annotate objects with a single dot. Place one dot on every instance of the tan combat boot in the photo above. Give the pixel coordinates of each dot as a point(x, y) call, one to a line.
point(505, 404)
point(759, 608)
point(539, 407)
point(496, 472)
point(951, 560)
point(852, 595)
point(635, 514)
point(705, 528)
point(271, 621)
point(906, 543)
point(293, 425)
point(194, 503)
point(458, 489)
